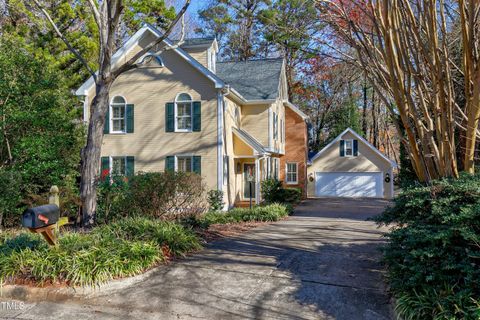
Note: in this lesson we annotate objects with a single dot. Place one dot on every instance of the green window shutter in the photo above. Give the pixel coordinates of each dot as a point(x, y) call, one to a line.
point(169, 117)
point(197, 164)
point(170, 163)
point(130, 166)
point(106, 126)
point(130, 118)
point(342, 148)
point(104, 167)
point(197, 116)
point(355, 148)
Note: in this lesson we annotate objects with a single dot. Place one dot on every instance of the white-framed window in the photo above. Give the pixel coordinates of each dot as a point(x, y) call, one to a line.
point(291, 172)
point(118, 113)
point(348, 145)
point(184, 163)
point(275, 126)
point(276, 167)
point(212, 60)
point(226, 169)
point(183, 112)
point(282, 131)
point(118, 166)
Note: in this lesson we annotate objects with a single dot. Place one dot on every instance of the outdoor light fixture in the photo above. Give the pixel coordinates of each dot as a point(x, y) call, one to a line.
point(387, 177)
point(239, 167)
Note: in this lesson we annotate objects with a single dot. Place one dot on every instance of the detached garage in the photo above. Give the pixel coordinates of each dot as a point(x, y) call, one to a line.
point(350, 166)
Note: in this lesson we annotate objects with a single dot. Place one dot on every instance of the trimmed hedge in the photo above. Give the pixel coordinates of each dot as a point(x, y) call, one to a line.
point(433, 255)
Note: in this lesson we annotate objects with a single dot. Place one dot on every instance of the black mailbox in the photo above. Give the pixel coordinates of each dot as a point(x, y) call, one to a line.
point(42, 216)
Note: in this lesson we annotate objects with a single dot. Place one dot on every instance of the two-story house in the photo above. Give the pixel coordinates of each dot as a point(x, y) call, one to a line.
point(182, 110)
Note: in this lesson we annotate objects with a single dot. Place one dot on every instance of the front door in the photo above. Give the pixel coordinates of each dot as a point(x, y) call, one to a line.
point(249, 180)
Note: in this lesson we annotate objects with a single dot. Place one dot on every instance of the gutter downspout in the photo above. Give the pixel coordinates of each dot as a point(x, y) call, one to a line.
point(219, 140)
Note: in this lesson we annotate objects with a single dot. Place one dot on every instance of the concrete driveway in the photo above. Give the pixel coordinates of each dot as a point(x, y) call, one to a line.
point(321, 263)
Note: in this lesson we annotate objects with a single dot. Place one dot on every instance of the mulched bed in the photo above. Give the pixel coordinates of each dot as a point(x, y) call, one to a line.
point(220, 231)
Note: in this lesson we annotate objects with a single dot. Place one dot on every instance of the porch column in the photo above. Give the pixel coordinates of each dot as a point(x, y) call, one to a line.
point(257, 181)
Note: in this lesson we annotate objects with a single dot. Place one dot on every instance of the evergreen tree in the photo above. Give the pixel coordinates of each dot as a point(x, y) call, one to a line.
point(40, 135)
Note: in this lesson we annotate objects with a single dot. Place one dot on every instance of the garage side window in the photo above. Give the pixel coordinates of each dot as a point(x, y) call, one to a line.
point(348, 148)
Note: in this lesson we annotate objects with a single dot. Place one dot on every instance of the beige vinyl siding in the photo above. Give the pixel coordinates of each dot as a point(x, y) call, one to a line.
point(255, 121)
point(149, 89)
point(199, 54)
point(366, 161)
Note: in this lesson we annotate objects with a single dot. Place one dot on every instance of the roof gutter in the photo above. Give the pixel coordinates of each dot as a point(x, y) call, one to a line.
point(295, 109)
point(232, 92)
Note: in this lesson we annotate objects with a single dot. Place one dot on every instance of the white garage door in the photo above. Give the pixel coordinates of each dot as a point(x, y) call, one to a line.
point(349, 184)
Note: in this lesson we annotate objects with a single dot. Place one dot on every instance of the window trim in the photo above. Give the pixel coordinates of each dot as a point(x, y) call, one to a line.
point(110, 164)
point(124, 131)
point(275, 126)
point(175, 113)
point(184, 156)
point(276, 168)
point(345, 148)
point(296, 173)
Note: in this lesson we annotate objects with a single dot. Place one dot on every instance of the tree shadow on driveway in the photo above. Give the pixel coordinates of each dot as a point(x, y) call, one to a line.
point(314, 265)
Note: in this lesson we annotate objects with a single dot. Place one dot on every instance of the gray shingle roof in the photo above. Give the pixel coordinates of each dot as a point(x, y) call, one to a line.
point(191, 42)
point(254, 79)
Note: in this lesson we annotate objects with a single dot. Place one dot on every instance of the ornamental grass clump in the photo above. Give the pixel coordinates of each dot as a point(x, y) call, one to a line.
point(177, 238)
point(78, 259)
point(271, 212)
point(122, 249)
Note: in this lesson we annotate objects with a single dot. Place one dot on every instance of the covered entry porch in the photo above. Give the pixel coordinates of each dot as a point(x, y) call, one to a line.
point(250, 164)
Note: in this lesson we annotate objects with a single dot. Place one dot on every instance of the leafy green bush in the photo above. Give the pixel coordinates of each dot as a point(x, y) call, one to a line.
point(41, 137)
point(215, 200)
point(273, 192)
point(122, 249)
point(164, 233)
point(165, 195)
point(272, 212)
point(270, 189)
point(433, 255)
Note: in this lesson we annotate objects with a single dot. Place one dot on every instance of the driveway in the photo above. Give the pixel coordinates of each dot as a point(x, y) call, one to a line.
point(321, 263)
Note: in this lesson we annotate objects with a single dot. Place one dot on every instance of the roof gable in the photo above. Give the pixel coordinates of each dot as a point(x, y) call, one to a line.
point(359, 137)
point(135, 39)
point(253, 79)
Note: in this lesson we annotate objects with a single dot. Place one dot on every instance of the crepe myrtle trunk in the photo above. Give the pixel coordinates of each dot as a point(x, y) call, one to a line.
point(90, 154)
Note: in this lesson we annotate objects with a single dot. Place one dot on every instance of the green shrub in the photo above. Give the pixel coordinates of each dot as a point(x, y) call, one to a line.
point(163, 233)
point(125, 248)
point(271, 212)
point(215, 200)
point(273, 192)
point(270, 190)
point(291, 195)
point(433, 254)
point(111, 199)
point(10, 198)
point(165, 195)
